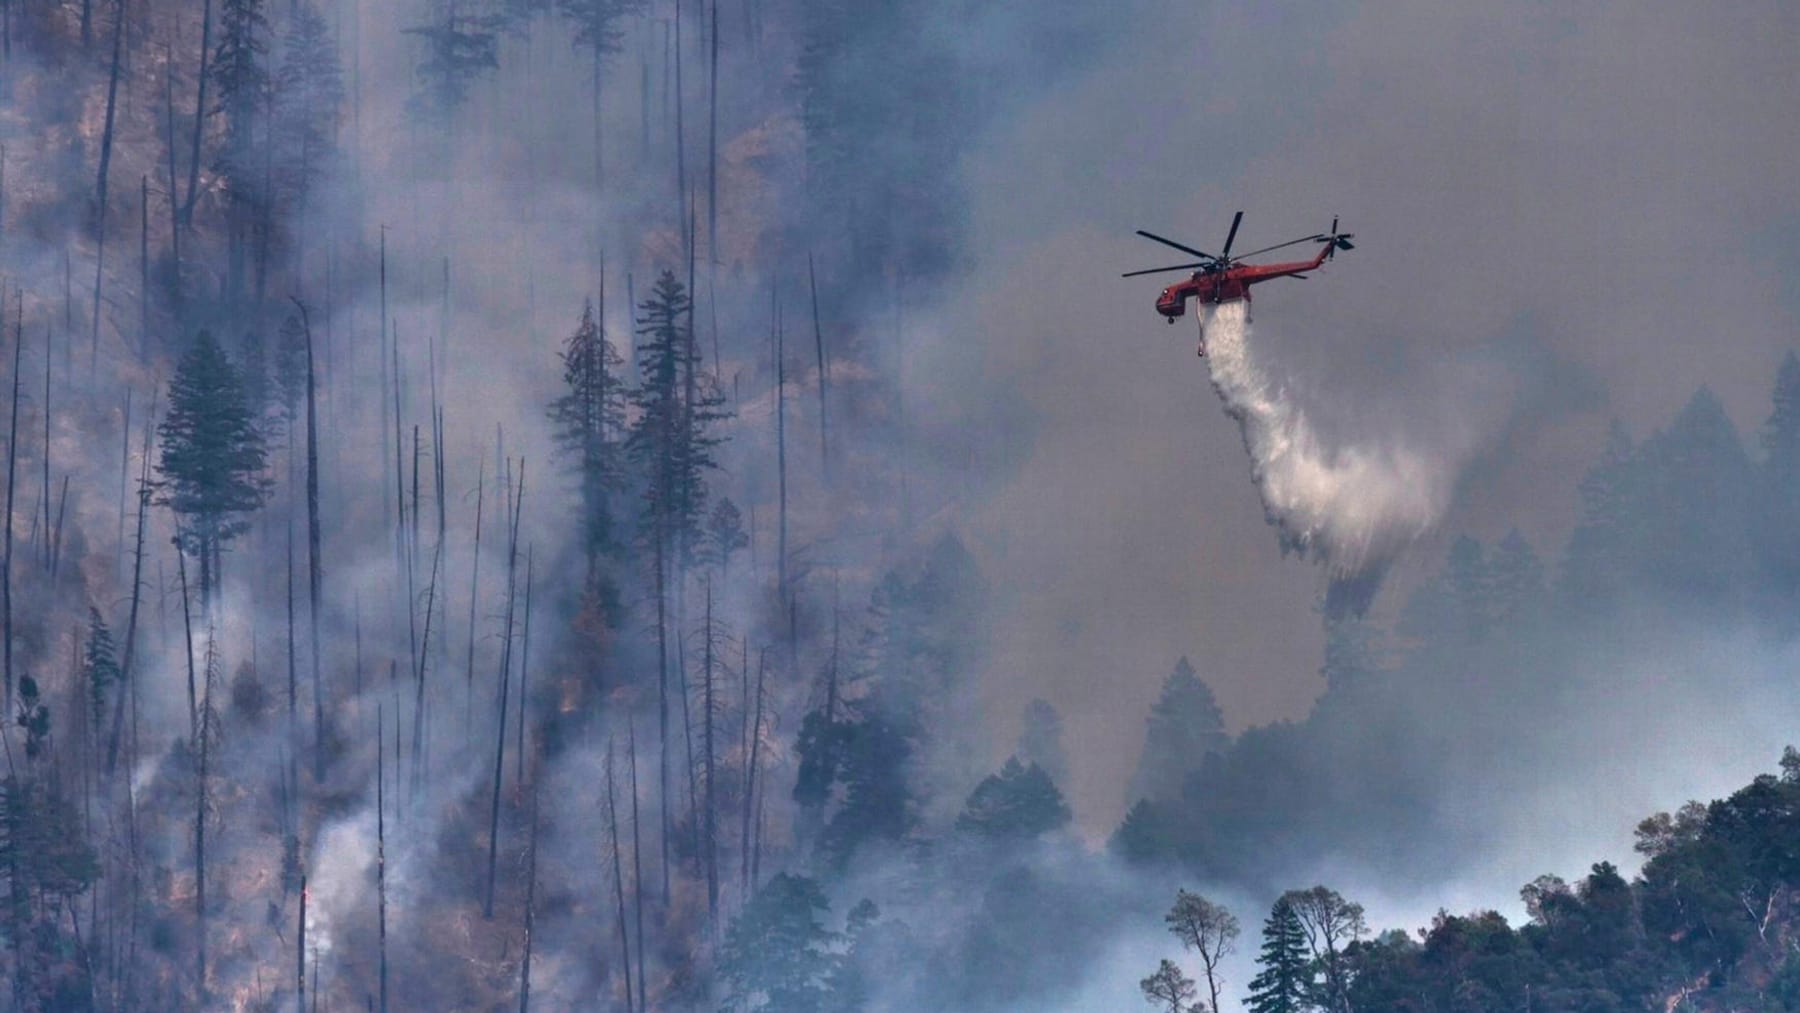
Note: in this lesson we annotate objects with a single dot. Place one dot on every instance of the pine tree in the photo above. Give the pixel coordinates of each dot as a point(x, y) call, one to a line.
point(671, 442)
point(1184, 727)
point(1041, 742)
point(776, 955)
point(1017, 803)
point(458, 48)
point(99, 663)
point(587, 419)
point(309, 97)
point(1286, 979)
point(212, 455)
point(242, 80)
point(1778, 533)
point(724, 535)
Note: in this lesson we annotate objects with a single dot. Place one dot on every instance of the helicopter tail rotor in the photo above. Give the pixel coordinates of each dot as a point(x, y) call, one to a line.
point(1337, 240)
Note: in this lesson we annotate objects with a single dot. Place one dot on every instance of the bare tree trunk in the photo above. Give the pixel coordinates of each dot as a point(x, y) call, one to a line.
point(612, 827)
point(106, 136)
point(530, 877)
point(381, 848)
point(293, 669)
point(637, 866)
point(300, 950)
point(187, 629)
point(315, 573)
point(712, 151)
point(12, 460)
point(205, 736)
point(137, 588)
point(781, 545)
point(662, 694)
point(708, 704)
point(762, 667)
point(524, 666)
point(512, 559)
point(62, 505)
point(193, 183)
point(143, 342)
point(419, 733)
point(474, 596)
point(812, 280)
point(681, 190)
point(174, 205)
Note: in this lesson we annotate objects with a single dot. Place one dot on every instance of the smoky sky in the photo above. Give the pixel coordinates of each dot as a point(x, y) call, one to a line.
point(1562, 218)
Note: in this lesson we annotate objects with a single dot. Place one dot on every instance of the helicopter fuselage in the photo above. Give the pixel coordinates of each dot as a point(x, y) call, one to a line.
point(1230, 284)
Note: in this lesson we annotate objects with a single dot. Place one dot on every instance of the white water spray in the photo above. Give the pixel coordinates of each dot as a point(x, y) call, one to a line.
point(1352, 507)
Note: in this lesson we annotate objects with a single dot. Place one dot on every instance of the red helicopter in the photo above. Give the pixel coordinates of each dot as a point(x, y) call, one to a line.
point(1225, 278)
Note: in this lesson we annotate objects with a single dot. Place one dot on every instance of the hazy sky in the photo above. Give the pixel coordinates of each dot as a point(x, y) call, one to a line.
point(1561, 218)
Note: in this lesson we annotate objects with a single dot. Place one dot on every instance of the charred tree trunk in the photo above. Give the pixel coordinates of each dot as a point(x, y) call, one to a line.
point(812, 280)
point(315, 573)
point(662, 696)
point(474, 596)
point(300, 950)
point(781, 543)
point(106, 137)
point(193, 182)
point(205, 736)
point(612, 827)
point(12, 460)
point(174, 204)
point(637, 865)
point(187, 631)
point(708, 705)
point(762, 666)
point(712, 150)
point(524, 667)
point(143, 342)
point(530, 880)
point(512, 559)
point(137, 588)
point(381, 850)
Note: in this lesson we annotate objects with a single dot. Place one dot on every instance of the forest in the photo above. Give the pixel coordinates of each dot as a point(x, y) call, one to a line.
point(613, 639)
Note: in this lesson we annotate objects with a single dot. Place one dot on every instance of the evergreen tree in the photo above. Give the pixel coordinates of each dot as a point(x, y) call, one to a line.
point(458, 48)
point(242, 83)
point(1286, 977)
point(1515, 580)
point(99, 663)
point(33, 719)
point(1778, 521)
point(239, 74)
point(1017, 803)
point(1697, 505)
point(213, 456)
point(724, 534)
point(671, 442)
point(1600, 557)
point(309, 97)
point(1040, 741)
point(777, 952)
point(1185, 726)
point(587, 419)
point(1780, 435)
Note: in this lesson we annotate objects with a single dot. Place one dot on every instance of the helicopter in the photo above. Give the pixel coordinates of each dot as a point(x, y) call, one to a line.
point(1224, 278)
